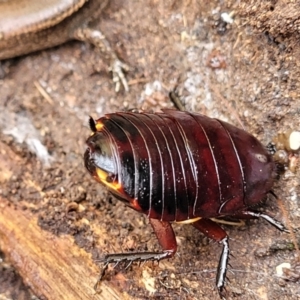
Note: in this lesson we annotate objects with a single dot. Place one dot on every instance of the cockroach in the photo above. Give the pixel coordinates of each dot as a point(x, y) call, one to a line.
point(183, 167)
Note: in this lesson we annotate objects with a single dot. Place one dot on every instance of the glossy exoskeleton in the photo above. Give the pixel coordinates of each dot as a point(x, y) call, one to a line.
point(180, 167)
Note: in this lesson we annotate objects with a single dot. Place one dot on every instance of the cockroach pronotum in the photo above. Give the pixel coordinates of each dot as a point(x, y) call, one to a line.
point(181, 167)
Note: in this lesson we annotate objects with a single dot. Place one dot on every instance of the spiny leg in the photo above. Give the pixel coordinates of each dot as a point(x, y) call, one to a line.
point(215, 232)
point(166, 239)
point(270, 220)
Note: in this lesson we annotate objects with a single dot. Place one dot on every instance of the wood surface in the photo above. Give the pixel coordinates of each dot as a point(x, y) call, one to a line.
point(52, 266)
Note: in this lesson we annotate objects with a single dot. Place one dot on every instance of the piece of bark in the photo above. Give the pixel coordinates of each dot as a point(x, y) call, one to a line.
point(53, 267)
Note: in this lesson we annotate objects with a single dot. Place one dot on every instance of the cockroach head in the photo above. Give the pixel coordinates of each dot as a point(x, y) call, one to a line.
point(92, 124)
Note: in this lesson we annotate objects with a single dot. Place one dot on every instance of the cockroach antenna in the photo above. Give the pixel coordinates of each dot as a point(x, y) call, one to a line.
point(92, 124)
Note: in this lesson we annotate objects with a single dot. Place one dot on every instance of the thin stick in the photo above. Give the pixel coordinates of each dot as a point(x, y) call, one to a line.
point(43, 92)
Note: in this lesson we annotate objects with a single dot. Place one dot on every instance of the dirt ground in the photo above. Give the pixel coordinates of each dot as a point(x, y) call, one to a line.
point(245, 72)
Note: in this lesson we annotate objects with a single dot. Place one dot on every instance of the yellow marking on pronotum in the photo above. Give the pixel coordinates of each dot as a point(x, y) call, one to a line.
point(189, 221)
point(112, 185)
point(99, 126)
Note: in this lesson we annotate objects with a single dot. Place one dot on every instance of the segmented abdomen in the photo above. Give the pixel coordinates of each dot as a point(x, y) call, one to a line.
point(180, 165)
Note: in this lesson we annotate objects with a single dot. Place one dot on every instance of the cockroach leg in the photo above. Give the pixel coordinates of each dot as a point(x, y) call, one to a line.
point(134, 256)
point(165, 235)
point(222, 266)
point(269, 219)
point(166, 238)
point(215, 232)
point(101, 276)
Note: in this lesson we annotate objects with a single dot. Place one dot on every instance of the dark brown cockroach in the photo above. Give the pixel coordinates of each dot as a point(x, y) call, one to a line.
point(180, 167)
